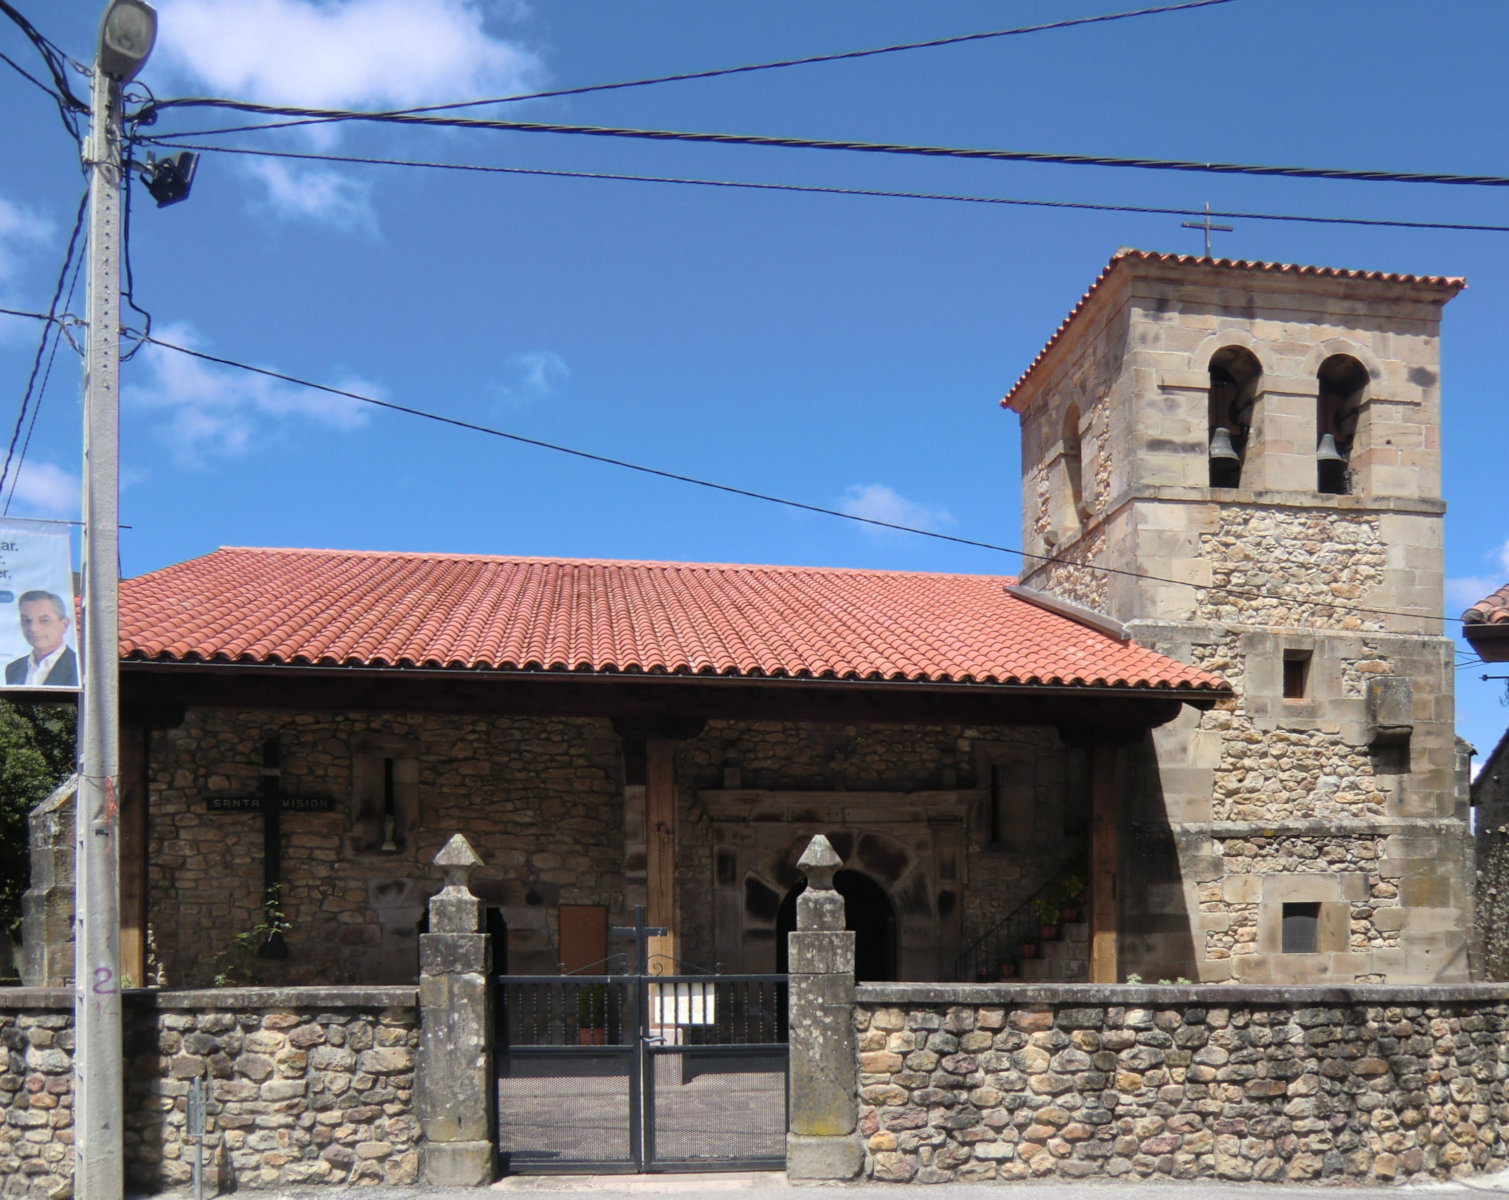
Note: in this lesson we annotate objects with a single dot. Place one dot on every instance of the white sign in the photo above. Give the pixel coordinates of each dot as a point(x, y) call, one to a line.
point(683, 1004)
point(39, 644)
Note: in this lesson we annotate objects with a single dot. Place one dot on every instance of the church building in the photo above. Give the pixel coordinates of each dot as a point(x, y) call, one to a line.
point(1206, 734)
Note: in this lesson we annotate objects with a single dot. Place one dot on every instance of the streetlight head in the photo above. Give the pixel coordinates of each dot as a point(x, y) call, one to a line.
point(126, 35)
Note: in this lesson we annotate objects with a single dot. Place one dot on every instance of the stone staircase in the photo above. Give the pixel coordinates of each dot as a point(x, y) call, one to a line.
point(1066, 960)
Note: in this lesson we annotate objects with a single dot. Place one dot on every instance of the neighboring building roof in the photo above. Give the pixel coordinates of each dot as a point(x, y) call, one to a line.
point(1451, 284)
point(1486, 626)
point(1493, 610)
point(328, 607)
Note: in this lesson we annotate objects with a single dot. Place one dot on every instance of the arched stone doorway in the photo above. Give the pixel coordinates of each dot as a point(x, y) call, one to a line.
point(868, 911)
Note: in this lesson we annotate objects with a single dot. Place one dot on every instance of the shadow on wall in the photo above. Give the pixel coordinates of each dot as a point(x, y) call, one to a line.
point(1156, 941)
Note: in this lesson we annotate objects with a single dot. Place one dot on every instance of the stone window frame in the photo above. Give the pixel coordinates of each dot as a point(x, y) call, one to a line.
point(370, 753)
point(1333, 891)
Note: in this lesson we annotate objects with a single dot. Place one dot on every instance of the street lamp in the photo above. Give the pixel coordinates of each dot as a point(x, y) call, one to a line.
point(127, 31)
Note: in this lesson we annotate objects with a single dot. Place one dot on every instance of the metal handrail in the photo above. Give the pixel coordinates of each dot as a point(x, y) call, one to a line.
point(1002, 942)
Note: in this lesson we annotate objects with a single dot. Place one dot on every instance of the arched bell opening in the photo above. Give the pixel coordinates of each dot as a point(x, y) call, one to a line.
point(1234, 377)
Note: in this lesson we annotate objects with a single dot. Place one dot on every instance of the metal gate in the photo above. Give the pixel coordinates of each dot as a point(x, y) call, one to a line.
point(641, 1072)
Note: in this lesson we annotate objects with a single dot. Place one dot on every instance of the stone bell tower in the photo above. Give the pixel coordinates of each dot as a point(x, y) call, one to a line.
point(1240, 462)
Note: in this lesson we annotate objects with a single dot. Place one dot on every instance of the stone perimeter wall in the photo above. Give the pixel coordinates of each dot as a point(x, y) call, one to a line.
point(307, 1086)
point(1375, 1084)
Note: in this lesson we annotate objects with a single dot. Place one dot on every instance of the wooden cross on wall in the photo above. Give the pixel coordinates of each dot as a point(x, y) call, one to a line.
point(271, 802)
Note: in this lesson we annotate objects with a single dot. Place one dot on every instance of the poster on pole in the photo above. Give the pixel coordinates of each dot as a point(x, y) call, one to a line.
point(39, 644)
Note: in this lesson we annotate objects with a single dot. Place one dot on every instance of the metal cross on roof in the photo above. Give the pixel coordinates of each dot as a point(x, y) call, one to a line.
point(1208, 227)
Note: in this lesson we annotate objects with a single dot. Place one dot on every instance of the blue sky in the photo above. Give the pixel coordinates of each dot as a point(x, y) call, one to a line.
point(847, 352)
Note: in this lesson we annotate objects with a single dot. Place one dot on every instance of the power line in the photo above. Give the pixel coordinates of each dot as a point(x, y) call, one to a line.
point(69, 105)
point(42, 390)
point(714, 73)
point(832, 191)
point(1341, 174)
point(747, 493)
point(51, 328)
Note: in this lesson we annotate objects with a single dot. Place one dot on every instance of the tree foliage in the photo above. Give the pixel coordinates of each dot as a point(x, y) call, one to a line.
point(36, 754)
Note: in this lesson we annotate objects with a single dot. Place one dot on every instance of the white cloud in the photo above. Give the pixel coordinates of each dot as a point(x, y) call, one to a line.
point(21, 231)
point(210, 409)
point(534, 375)
point(45, 488)
point(358, 54)
point(876, 502)
point(317, 194)
point(343, 53)
point(1466, 590)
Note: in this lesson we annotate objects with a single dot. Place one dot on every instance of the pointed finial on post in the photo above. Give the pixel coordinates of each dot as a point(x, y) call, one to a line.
point(454, 909)
point(818, 862)
point(819, 907)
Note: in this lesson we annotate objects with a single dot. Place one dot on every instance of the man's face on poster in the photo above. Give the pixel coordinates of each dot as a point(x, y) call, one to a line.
point(42, 626)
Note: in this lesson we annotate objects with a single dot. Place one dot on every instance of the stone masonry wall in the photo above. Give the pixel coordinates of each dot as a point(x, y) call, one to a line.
point(539, 799)
point(306, 1086)
point(1368, 1084)
point(947, 762)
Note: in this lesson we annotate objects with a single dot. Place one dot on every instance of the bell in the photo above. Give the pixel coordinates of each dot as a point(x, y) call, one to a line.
point(1225, 462)
point(1221, 447)
point(1331, 466)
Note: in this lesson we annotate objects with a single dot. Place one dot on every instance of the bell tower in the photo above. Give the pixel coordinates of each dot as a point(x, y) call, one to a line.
point(1240, 462)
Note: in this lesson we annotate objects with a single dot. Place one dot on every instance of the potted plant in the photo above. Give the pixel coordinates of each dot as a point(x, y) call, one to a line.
point(1007, 968)
point(1074, 897)
point(599, 1018)
point(1047, 914)
point(1029, 949)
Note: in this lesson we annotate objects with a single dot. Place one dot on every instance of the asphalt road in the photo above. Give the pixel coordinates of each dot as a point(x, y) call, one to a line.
point(773, 1186)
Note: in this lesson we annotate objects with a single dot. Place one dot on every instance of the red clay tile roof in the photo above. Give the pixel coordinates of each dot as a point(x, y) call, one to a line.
point(330, 607)
point(1451, 284)
point(1494, 610)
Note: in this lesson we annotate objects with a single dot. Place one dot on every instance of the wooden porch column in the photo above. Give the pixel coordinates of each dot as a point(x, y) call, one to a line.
point(133, 854)
point(1103, 859)
point(660, 850)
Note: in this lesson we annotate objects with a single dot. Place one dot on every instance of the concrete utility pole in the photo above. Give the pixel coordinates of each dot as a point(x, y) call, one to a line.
point(126, 36)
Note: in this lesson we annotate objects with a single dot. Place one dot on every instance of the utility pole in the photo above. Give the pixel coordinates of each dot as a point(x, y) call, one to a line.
point(126, 36)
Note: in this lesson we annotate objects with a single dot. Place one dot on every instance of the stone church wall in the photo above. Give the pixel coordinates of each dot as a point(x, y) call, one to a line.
point(543, 802)
point(539, 799)
point(907, 805)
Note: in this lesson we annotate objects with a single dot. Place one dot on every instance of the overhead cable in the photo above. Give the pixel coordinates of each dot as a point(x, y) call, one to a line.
point(814, 189)
point(52, 328)
point(69, 105)
point(1344, 174)
point(715, 72)
point(749, 494)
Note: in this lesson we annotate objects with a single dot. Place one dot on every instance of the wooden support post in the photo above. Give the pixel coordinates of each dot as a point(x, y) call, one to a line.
point(1104, 852)
point(660, 850)
point(133, 854)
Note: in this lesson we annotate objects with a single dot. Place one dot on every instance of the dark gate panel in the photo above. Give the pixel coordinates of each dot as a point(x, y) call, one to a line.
point(641, 1073)
point(568, 1074)
point(715, 1072)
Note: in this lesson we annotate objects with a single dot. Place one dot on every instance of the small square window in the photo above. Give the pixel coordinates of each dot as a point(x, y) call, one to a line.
point(1296, 674)
point(1301, 928)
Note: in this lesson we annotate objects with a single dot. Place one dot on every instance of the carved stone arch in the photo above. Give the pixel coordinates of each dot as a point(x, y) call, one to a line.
point(1331, 347)
point(895, 870)
point(1200, 356)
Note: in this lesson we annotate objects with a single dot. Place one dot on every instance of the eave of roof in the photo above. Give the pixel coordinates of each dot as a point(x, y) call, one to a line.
point(1449, 284)
point(563, 617)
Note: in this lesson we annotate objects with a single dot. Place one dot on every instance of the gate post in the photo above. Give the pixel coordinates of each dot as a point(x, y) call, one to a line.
point(822, 1141)
point(454, 1089)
